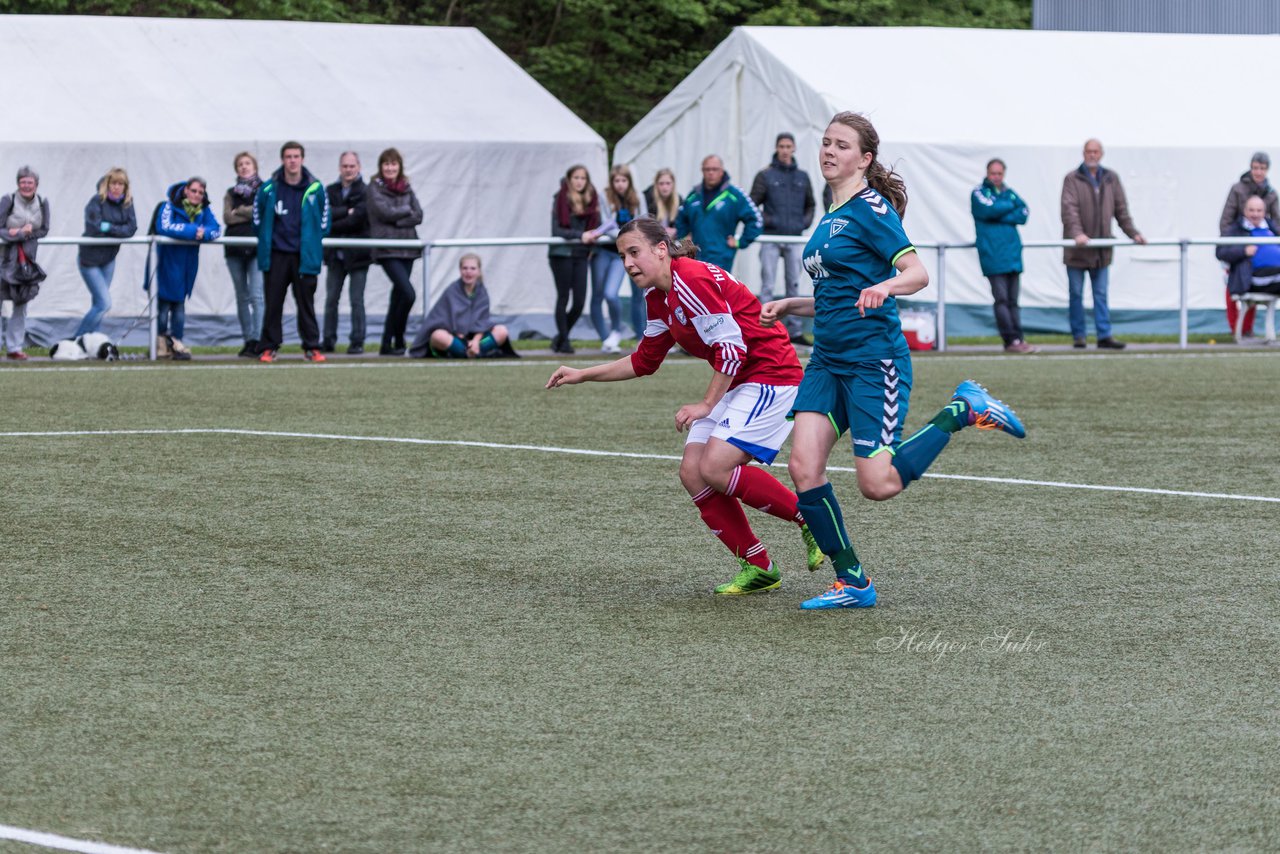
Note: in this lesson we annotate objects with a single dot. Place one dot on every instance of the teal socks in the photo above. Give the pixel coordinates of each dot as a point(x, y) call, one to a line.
point(913, 456)
point(822, 514)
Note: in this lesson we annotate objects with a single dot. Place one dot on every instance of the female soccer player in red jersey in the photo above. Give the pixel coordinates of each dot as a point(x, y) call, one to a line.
point(742, 416)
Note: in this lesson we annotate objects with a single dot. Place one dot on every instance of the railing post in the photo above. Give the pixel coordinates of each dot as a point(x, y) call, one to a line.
point(426, 279)
point(1184, 288)
point(152, 329)
point(942, 297)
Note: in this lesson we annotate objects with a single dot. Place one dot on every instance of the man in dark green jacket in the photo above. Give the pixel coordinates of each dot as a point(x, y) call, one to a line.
point(997, 213)
point(291, 215)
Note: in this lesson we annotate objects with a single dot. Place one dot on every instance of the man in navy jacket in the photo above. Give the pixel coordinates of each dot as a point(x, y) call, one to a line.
point(291, 215)
point(350, 220)
point(784, 194)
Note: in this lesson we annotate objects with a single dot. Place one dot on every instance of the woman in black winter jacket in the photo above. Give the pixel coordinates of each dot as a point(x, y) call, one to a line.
point(108, 214)
point(575, 211)
point(393, 212)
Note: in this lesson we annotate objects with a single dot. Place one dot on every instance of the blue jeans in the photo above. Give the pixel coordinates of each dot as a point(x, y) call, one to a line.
point(337, 274)
point(606, 284)
point(246, 278)
point(1101, 311)
point(98, 280)
point(791, 255)
point(171, 317)
point(639, 313)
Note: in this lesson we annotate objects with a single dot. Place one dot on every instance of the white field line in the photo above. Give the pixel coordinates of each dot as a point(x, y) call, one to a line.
point(544, 363)
point(64, 843)
point(552, 449)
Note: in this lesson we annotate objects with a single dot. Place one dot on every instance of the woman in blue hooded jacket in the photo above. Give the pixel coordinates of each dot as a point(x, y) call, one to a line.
point(185, 215)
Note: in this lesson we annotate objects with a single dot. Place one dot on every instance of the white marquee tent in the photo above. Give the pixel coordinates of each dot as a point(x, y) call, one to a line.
point(1176, 129)
point(483, 143)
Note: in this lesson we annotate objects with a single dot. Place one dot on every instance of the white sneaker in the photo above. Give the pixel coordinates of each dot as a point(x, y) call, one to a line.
point(610, 344)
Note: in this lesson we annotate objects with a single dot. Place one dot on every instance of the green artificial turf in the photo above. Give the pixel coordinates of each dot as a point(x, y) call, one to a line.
point(241, 643)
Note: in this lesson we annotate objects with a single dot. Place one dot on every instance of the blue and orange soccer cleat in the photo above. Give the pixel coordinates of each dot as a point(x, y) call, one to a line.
point(988, 413)
point(842, 595)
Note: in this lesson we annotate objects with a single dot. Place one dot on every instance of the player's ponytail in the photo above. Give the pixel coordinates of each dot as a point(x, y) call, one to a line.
point(654, 233)
point(883, 180)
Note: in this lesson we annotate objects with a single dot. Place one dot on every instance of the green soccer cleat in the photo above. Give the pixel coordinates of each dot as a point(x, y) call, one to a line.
point(813, 554)
point(751, 579)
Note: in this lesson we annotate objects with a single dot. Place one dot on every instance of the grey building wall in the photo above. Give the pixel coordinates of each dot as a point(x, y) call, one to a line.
point(1255, 17)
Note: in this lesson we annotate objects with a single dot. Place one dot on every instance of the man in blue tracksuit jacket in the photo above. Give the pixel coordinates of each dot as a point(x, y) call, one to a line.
point(291, 215)
point(997, 213)
point(711, 213)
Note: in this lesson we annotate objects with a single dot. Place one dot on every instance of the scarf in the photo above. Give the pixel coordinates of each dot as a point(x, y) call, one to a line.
point(247, 188)
point(399, 186)
point(193, 211)
point(564, 211)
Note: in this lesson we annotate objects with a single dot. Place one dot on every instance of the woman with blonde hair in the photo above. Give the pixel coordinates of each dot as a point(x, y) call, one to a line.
point(109, 213)
point(663, 203)
point(621, 205)
point(459, 325)
point(662, 200)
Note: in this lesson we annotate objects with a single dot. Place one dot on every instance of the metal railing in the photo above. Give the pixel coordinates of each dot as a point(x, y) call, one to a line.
point(425, 247)
point(1184, 279)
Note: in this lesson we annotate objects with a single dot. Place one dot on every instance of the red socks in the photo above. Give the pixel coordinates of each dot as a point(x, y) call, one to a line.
point(724, 516)
point(757, 488)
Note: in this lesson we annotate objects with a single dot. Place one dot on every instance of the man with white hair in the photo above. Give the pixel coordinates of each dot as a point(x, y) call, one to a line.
point(1091, 198)
point(1251, 183)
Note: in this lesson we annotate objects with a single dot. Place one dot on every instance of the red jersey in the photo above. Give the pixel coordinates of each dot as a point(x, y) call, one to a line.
point(714, 317)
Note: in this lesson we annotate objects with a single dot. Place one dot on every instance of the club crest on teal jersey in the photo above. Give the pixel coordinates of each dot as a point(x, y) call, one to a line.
point(837, 226)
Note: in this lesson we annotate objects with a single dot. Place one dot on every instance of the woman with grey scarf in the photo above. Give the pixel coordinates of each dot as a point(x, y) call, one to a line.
point(24, 219)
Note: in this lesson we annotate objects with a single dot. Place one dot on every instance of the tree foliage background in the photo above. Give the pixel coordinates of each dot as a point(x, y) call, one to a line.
point(609, 61)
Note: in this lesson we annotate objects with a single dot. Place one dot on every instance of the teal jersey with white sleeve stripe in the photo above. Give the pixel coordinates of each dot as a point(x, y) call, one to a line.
point(855, 247)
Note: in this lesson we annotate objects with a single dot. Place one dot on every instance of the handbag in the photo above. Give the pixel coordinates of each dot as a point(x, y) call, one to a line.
point(24, 279)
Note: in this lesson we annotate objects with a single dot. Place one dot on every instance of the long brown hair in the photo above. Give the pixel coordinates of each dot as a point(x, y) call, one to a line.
point(883, 180)
point(579, 202)
point(653, 233)
point(629, 200)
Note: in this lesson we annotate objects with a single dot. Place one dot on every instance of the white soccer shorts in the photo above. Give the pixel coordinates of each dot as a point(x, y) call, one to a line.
point(752, 417)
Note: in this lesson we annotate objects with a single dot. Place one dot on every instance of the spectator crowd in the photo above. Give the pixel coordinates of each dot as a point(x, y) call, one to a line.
point(292, 211)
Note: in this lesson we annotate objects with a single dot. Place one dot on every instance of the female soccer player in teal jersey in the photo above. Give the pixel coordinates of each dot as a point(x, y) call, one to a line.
point(858, 379)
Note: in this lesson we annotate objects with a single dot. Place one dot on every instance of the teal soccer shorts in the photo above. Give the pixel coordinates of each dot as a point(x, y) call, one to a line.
point(870, 404)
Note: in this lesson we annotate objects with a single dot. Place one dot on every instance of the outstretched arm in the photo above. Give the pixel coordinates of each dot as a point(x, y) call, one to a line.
point(775, 310)
point(609, 372)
